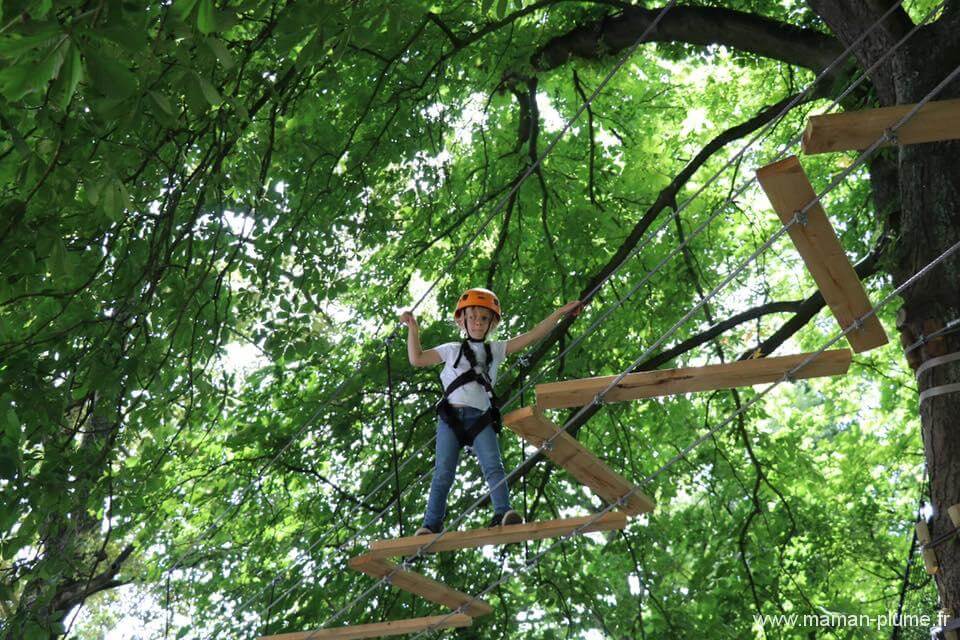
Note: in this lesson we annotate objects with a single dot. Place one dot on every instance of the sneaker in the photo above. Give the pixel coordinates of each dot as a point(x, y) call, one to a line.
point(425, 531)
point(505, 519)
point(511, 517)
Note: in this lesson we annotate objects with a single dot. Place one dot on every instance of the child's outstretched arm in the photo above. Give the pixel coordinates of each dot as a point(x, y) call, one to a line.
point(524, 340)
point(417, 356)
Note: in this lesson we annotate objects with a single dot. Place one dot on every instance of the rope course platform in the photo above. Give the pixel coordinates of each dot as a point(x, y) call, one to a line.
point(379, 629)
point(667, 382)
point(855, 130)
point(426, 588)
point(567, 452)
point(455, 540)
point(789, 191)
point(793, 198)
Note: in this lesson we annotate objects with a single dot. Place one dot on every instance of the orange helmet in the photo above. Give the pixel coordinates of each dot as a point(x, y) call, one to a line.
point(478, 298)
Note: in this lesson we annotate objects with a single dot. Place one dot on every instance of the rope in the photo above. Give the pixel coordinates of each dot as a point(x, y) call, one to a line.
point(887, 135)
point(393, 436)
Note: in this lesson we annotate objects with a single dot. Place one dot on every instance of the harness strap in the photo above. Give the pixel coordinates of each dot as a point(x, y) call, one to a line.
point(466, 435)
point(446, 410)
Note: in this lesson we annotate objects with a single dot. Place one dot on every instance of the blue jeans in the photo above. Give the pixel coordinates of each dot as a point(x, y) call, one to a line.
point(487, 450)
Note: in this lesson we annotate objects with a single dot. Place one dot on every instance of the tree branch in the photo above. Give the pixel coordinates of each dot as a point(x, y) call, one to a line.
point(693, 25)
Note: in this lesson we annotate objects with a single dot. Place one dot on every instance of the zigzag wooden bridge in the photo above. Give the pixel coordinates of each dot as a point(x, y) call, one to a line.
point(789, 191)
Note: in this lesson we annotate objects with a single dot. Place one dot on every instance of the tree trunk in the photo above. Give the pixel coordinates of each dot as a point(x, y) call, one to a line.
point(929, 223)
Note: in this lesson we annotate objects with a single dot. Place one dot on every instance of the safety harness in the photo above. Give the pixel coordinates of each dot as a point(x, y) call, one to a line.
point(481, 375)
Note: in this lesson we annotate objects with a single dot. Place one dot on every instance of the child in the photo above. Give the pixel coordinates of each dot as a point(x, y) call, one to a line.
point(468, 412)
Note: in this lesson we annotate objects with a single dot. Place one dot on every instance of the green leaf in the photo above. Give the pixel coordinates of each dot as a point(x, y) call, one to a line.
point(161, 101)
point(131, 37)
point(15, 44)
point(10, 423)
point(209, 91)
point(59, 261)
point(109, 77)
point(8, 464)
point(33, 631)
point(501, 9)
point(183, 8)
point(16, 82)
point(220, 50)
point(114, 200)
point(69, 78)
point(313, 50)
point(40, 9)
point(32, 76)
point(485, 6)
point(207, 17)
point(92, 190)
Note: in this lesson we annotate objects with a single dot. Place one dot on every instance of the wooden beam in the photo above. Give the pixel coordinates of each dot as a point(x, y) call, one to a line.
point(666, 382)
point(789, 190)
point(496, 535)
point(568, 453)
point(855, 130)
point(425, 587)
point(379, 629)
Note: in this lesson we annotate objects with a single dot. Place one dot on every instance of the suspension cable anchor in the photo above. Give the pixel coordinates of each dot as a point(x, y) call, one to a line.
point(891, 136)
point(801, 217)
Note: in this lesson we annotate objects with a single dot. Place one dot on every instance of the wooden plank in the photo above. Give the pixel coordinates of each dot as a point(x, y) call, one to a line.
point(426, 588)
point(665, 382)
point(496, 535)
point(568, 453)
point(379, 629)
point(855, 130)
point(789, 190)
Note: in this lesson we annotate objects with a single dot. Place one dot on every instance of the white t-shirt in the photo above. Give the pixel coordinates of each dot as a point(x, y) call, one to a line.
point(470, 394)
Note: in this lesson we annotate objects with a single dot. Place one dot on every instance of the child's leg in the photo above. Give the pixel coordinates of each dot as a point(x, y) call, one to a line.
point(487, 448)
point(444, 471)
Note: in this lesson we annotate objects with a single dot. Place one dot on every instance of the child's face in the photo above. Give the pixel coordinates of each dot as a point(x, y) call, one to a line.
point(476, 321)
